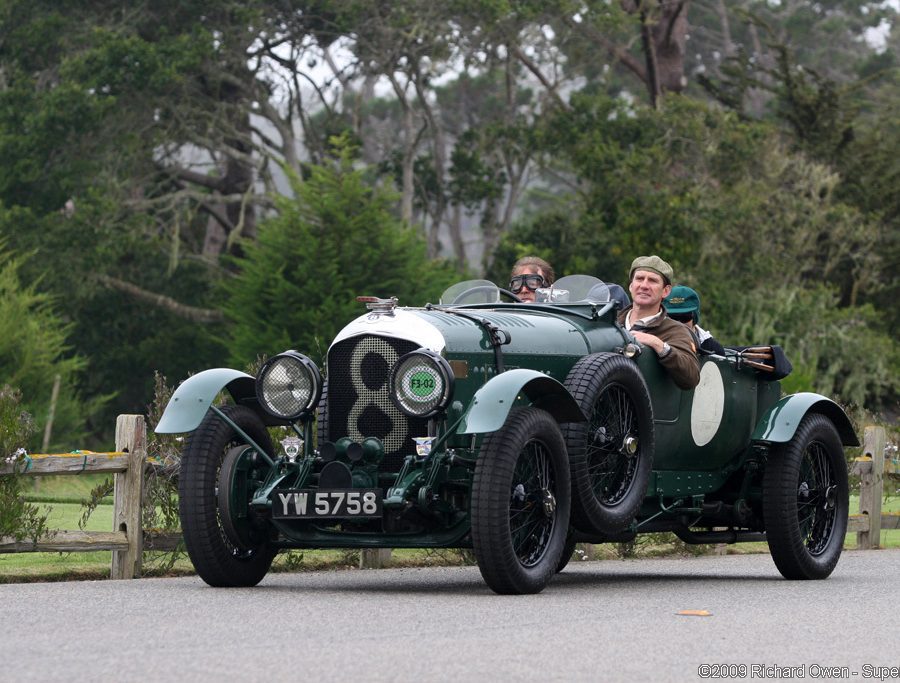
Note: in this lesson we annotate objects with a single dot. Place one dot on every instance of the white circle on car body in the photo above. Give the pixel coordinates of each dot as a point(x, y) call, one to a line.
point(708, 405)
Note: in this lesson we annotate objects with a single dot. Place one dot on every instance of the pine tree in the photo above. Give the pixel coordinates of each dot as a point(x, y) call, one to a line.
point(338, 239)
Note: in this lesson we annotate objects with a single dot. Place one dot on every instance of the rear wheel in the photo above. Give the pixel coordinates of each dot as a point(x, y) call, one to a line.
point(806, 500)
point(612, 453)
point(235, 552)
point(520, 503)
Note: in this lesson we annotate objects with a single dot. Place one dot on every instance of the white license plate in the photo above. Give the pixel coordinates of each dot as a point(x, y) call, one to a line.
point(326, 503)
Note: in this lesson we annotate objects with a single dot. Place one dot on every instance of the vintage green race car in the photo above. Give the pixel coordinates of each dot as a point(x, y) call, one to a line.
point(513, 429)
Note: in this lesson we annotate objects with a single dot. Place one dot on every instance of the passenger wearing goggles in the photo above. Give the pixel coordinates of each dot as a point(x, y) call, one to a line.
point(529, 273)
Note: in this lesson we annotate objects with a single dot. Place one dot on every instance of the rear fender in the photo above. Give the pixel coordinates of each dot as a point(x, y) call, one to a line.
point(186, 409)
point(780, 423)
point(491, 404)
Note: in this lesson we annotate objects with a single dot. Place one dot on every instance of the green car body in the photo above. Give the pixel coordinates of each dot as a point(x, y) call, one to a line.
point(550, 427)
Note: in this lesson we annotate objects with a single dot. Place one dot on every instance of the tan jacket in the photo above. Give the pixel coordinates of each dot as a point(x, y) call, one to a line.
point(682, 362)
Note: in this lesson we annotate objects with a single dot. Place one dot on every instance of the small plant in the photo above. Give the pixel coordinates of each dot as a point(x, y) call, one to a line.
point(627, 549)
point(450, 556)
point(18, 519)
point(160, 506)
point(164, 456)
point(160, 512)
point(291, 561)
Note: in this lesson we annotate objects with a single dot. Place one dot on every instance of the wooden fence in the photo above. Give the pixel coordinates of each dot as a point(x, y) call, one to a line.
point(872, 467)
point(127, 540)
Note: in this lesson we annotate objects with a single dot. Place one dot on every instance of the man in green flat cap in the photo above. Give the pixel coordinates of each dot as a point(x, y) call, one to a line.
point(650, 281)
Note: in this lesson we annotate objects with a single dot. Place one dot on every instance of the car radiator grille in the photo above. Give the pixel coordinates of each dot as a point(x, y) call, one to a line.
point(359, 401)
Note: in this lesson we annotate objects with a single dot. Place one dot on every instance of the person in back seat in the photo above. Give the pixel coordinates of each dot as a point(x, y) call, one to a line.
point(683, 305)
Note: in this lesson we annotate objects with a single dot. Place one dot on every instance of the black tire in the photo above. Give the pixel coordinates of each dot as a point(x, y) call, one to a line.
point(806, 500)
point(520, 503)
point(611, 454)
point(219, 558)
point(568, 551)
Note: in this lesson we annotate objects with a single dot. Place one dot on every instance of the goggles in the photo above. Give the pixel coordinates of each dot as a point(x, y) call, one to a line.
point(532, 281)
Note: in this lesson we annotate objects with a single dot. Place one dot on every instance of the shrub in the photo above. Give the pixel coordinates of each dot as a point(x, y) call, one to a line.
point(18, 519)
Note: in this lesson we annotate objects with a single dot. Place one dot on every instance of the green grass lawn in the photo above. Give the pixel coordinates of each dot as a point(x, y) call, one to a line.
point(65, 488)
point(56, 566)
point(889, 538)
point(62, 495)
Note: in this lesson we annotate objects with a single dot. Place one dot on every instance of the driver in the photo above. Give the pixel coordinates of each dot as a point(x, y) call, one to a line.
point(529, 273)
point(650, 281)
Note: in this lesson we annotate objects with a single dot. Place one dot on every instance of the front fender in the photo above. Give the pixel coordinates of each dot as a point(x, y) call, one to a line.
point(780, 423)
point(491, 404)
point(188, 405)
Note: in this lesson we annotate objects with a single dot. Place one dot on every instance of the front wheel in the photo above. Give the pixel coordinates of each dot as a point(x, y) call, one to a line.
point(612, 452)
point(520, 503)
point(806, 500)
point(232, 553)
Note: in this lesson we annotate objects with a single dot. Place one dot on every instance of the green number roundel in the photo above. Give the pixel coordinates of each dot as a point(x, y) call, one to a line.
point(422, 384)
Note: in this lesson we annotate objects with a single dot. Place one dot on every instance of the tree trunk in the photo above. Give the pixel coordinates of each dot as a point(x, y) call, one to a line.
point(439, 151)
point(669, 34)
point(407, 189)
point(456, 239)
point(666, 23)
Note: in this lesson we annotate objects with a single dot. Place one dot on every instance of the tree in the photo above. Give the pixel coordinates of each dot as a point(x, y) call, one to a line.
point(133, 158)
point(843, 115)
point(34, 355)
point(143, 143)
point(756, 228)
point(741, 41)
point(339, 239)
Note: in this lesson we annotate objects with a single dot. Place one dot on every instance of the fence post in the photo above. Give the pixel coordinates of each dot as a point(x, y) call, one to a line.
point(871, 487)
point(131, 436)
point(374, 558)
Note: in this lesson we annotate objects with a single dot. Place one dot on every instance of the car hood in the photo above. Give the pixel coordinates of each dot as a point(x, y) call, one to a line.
point(529, 332)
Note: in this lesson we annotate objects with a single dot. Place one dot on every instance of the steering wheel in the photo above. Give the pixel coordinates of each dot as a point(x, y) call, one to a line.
point(485, 288)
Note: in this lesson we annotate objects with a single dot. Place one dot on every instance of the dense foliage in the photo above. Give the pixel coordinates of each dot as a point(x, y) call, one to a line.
point(760, 231)
point(35, 355)
point(335, 240)
point(19, 519)
point(173, 199)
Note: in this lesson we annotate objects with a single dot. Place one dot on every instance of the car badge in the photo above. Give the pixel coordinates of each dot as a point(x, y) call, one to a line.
point(292, 446)
point(378, 306)
point(423, 445)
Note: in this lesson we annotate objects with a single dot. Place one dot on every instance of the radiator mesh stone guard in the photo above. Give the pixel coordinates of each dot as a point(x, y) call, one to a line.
point(359, 401)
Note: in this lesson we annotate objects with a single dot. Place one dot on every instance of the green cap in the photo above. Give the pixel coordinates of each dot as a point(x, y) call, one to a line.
point(683, 300)
point(654, 263)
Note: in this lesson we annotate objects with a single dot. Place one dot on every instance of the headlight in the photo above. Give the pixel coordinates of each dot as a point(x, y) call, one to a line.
point(421, 383)
point(288, 385)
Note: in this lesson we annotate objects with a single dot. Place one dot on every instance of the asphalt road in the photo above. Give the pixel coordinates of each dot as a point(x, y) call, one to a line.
point(597, 621)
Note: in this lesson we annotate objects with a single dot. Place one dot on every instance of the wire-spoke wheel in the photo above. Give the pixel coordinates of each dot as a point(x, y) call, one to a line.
point(232, 553)
point(806, 500)
point(612, 453)
point(520, 503)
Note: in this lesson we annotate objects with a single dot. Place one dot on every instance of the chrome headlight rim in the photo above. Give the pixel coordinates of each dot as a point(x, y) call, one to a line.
point(436, 399)
point(304, 407)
